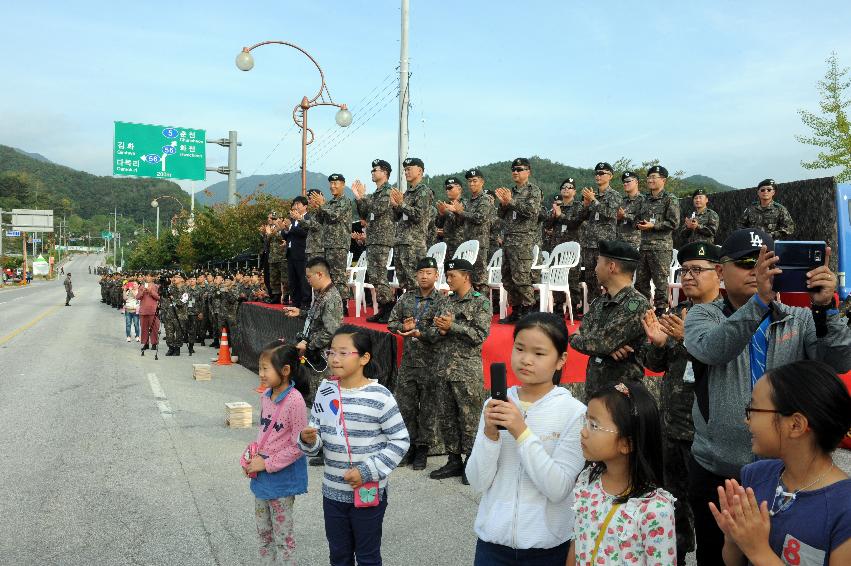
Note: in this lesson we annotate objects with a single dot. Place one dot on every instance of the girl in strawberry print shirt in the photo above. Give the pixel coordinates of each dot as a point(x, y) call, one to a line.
point(622, 517)
point(279, 467)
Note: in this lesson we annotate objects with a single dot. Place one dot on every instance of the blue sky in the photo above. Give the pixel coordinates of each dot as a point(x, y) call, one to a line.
point(710, 87)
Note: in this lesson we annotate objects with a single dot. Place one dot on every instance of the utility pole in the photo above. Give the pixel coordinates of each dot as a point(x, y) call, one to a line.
point(404, 98)
point(231, 170)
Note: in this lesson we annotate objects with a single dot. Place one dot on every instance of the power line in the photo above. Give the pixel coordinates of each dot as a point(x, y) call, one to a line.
point(265, 159)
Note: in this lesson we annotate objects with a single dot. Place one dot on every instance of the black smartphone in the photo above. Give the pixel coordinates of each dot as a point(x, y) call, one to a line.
point(499, 384)
point(796, 259)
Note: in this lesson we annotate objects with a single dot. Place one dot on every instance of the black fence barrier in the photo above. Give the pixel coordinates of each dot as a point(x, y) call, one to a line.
point(258, 325)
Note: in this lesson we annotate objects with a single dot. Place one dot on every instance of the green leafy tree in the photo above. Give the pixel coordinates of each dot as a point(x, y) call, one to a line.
point(830, 131)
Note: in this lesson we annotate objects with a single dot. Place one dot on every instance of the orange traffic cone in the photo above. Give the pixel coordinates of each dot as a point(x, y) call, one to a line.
point(224, 350)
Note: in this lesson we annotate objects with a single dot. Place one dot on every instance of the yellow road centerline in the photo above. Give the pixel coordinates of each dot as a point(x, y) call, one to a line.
point(30, 324)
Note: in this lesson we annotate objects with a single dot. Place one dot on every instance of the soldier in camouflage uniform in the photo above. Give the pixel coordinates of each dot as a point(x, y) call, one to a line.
point(464, 325)
point(313, 242)
point(666, 352)
point(321, 320)
point(278, 279)
point(380, 234)
point(658, 218)
point(772, 217)
point(450, 216)
point(411, 212)
point(216, 318)
point(519, 207)
point(229, 308)
point(336, 219)
point(497, 234)
point(170, 315)
point(702, 225)
point(628, 213)
point(416, 388)
point(599, 215)
point(431, 229)
point(478, 214)
point(611, 330)
point(564, 221)
point(193, 326)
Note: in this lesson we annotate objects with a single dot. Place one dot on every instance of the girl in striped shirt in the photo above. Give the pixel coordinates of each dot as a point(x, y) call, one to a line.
point(356, 423)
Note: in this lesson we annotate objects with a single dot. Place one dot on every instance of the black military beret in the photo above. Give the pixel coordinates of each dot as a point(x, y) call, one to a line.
point(744, 242)
point(661, 171)
point(458, 265)
point(616, 249)
point(603, 166)
point(451, 181)
point(427, 262)
point(568, 181)
point(628, 176)
point(381, 164)
point(414, 161)
point(336, 177)
point(473, 173)
point(699, 250)
point(521, 162)
point(313, 192)
point(766, 183)
point(698, 192)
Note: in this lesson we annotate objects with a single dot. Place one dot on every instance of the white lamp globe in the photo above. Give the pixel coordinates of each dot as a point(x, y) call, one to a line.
point(344, 117)
point(244, 61)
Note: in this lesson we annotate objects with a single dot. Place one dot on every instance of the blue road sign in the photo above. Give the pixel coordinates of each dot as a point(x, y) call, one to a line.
point(13, 233)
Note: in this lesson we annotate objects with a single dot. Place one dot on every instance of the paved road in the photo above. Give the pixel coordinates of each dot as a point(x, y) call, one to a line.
point(113, 458)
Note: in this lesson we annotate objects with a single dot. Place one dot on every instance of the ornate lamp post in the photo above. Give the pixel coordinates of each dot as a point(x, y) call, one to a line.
point(245, 62)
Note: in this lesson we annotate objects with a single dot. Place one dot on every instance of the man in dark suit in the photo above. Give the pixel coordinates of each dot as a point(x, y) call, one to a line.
point(296, 257)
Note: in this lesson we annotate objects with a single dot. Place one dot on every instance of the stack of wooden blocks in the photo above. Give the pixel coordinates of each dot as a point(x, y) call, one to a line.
point(238, 414)
point(201, 372)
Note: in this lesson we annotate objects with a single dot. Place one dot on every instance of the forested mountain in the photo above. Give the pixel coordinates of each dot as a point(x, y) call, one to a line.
point(284, 185)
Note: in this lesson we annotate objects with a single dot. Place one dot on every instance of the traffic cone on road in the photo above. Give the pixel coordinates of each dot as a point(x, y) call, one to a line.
point(224, 350)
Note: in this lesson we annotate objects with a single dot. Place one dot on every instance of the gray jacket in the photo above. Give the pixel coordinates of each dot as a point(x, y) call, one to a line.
point(720, 339)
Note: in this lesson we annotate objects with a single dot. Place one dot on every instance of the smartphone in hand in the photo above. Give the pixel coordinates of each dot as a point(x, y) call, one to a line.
point(499, 384)
point(796, 260)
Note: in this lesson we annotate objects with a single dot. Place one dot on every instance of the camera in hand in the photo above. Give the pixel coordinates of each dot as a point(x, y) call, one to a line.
point(796, 260)
point(499, 385)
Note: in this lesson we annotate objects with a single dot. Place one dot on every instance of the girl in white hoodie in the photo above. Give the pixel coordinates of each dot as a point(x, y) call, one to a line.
point(526, 472)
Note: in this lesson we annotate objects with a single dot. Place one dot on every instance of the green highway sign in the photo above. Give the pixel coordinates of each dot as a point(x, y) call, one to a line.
point(106, 235)
point(161, 152)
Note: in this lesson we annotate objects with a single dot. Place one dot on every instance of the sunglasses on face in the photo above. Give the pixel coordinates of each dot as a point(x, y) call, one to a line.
point(766, 190)
point(746, 263)
point(519, 169)
point(599, 173)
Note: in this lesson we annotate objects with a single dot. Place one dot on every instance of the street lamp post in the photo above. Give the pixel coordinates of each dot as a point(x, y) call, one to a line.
point(245, 62)
point(156, 204)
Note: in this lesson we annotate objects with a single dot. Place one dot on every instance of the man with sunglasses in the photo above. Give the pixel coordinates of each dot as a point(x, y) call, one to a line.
point(412, 214)
point(772, 217)
point(599, 216)
point(519, 207)
point(733, 342)
point(657, 220)
point(564, 222)
point(702, 224)
point(701, 280)
point(479, 214)
point(375, 209)
point(628, 212)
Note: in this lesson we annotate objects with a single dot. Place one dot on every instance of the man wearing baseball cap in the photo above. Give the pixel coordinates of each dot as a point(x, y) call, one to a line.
point(450, 217)
point(600, 212)
point(464, 324)
point(733, 341)
point(772, 217)
point(702, 224)
point(380, 234)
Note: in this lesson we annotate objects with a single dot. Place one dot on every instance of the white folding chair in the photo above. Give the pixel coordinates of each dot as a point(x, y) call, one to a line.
point(438, 252)
point(468, 250)
point(371, 287)
point(356, 283)
point(495, 282)
point(565, 256)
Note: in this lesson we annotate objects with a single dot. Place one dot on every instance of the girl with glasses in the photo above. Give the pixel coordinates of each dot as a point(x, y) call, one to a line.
point(794, 506)
point(622, 515)
point(356, 422)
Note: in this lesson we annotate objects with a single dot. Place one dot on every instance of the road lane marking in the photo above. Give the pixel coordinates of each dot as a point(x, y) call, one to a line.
point(159, 395)
point(30, 324)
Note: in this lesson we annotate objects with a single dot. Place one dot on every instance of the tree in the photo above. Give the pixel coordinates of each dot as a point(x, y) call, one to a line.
point(830, 131)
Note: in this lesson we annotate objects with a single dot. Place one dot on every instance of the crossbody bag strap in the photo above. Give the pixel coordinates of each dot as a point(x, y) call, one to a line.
point(343, 421)
point(274, 418)
point(602, 532)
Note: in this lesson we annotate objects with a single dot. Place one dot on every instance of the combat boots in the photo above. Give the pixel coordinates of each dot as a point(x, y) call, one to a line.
point(421, 458)
point(453, 468)
point(191, 349)
point(383, 314)
point(408, 457)
point(464, 473)
point(516, 312)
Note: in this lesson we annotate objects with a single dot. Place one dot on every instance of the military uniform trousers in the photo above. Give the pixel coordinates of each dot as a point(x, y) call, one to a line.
point(517, 274)
point(174, 331)
point(460, 408)
point(405, 259)
point(675, 457)
point(589, 275)
point(376, 257)
point(416, 395)
point(336, 258)
point(605, 370)
point(655, 265)
point(278, 278)
point(480, 269)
